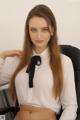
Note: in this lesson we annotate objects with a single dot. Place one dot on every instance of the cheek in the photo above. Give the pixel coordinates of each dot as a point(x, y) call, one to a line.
point(31, 36)
point(47, 38)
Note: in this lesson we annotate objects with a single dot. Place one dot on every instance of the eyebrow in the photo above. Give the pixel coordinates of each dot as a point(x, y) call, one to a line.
point(46, 27)
point(41, 27)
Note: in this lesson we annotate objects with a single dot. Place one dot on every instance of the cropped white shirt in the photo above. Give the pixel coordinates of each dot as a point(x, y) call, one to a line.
point(41, 93)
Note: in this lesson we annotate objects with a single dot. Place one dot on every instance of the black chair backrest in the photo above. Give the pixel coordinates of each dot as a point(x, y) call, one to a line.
point(74, 54)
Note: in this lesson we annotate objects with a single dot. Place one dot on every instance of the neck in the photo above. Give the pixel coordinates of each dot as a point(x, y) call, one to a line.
point(39, 50)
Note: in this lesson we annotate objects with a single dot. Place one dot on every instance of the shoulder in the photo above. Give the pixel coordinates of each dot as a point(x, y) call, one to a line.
point(68, 69)
point(65, 59)
point(66, 62)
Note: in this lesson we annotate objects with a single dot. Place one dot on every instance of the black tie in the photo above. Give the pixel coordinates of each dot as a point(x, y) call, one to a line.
point(35, 60)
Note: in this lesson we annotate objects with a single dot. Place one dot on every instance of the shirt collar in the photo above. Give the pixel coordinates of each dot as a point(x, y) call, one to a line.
point(42, 54)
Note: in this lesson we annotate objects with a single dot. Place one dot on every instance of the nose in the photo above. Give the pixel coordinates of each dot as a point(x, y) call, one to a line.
point(39, 34)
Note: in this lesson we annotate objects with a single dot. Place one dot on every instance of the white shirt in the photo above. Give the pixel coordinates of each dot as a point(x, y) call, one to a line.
point(41, 93)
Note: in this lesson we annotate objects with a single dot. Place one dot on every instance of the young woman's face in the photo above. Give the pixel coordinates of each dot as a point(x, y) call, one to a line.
point(40, 33)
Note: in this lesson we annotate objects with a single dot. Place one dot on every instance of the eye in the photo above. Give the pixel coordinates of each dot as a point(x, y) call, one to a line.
point(33, 29)
point(45, 30)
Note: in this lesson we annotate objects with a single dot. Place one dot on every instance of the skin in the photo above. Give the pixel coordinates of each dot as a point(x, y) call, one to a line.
point(11, 53)
point(40, 33)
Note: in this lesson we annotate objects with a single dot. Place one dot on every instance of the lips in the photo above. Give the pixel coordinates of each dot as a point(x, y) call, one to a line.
point(39, 41)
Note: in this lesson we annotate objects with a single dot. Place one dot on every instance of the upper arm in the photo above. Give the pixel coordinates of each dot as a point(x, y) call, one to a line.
point(7, 69)
point(68, 96)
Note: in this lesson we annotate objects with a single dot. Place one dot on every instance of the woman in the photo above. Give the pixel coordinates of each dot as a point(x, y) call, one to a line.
point(42, 78)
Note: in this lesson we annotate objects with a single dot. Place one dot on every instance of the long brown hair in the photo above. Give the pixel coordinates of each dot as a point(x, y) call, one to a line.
point(55, 60)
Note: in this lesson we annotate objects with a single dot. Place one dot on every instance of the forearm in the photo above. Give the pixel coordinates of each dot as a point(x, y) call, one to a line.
point(69, 113)
point(11, 53)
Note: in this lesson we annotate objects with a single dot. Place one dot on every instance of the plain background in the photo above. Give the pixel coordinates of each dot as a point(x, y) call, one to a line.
point(13, 15)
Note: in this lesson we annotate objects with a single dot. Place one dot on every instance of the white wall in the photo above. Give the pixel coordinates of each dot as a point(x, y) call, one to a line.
point(13, 14)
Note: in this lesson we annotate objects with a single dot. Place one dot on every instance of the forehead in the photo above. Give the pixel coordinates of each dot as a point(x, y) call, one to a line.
point(38, 22)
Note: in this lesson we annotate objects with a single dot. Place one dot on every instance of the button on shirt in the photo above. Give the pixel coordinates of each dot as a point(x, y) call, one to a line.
point(43, 81)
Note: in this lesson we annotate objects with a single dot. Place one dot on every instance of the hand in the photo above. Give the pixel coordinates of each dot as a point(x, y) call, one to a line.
point(11, 53)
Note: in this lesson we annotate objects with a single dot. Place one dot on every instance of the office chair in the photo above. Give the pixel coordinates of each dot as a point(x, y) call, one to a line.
point(74, 54)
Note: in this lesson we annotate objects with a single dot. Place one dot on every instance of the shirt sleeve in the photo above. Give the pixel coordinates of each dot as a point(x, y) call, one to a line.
point(1, 63)
point(7, 68)
point(68, 95)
